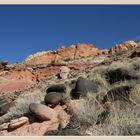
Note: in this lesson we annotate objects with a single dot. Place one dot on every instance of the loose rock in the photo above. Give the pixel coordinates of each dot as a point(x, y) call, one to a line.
point(82, 87)
point(53, 98)
point(42, 112)
point(18, 122)
point(64, 72)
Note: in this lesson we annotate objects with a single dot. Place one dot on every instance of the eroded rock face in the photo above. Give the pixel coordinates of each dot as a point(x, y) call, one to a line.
point(22, 76)
point(74, 52)
point(128, 45)
point(14, 85)
point(62, 54)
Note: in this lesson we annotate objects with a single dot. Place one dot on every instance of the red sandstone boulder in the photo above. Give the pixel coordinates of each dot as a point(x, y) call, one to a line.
point(60, 121)
point(42, 112)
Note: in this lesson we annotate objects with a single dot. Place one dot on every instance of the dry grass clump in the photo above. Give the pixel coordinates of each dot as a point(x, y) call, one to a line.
point(122, 122)
point(100, 80)
point(98, 76)
point(135, 95)
point(120, 64)
point(123, 118)
point(87, 110)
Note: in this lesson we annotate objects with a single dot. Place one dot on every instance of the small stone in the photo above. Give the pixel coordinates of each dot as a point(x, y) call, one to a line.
point(18, 122)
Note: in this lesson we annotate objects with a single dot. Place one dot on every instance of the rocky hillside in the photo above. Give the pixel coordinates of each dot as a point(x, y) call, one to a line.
point(78, 90)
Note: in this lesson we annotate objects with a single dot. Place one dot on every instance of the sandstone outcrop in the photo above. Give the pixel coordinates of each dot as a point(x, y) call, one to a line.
point(62, 54)
point(14, 85)
point(127, 45)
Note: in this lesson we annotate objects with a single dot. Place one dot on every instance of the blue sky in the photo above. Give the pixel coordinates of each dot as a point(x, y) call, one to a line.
point(27, 29)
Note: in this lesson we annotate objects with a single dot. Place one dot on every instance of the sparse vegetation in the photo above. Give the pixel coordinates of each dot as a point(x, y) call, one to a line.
point(21, 106)
point(91, 112)
point(121, 122)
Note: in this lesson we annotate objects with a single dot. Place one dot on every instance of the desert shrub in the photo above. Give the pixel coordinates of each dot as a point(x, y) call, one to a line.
point(110, 55)
point(21, 106)
point(100, 80)
point(98, 76)
point(122, 120)
point(120, 64)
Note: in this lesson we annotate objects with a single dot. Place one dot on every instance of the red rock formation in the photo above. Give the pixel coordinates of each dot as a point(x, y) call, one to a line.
point(62, 54)
point(14, 85)
point(66, 53)
point(43, 73)
point(123, 46)
point(37, 67)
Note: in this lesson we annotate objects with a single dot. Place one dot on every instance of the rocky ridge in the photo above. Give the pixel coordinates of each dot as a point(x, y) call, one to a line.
point(52, 67)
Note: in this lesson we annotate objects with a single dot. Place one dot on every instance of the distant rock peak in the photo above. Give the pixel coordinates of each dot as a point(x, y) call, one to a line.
point(74, 52)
